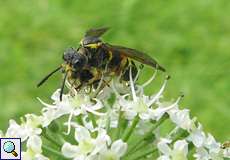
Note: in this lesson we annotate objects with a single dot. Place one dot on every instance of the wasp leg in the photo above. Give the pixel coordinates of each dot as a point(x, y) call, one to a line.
point(88, 89)
point(107, 84)
point(99, 84)
point(125, 75)
point(78, 87)
point(102, 86)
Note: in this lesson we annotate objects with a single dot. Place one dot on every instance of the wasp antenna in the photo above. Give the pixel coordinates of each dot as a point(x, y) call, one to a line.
point(48, 76)
point(160, 68)
point(63, 86)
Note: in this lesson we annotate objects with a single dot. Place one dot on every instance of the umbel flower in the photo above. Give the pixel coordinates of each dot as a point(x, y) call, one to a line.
point(120, 123)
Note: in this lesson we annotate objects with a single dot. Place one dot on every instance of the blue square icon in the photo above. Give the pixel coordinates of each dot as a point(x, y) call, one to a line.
point(10, 148)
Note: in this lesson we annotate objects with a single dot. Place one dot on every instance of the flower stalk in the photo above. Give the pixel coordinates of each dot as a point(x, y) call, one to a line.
point(51, 139)
point(119, 124)
point(148, 134)
point(53, 152)
point(130, 130)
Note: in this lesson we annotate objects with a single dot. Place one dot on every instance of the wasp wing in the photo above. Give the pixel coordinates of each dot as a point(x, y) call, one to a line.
point(96, 32)
point(134, 54)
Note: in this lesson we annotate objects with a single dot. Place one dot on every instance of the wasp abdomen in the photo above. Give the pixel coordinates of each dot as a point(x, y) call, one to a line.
point(125, 75)
point(115, 61)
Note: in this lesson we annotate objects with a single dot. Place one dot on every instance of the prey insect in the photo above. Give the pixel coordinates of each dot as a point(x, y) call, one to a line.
point(94, 63)
point(225, 145)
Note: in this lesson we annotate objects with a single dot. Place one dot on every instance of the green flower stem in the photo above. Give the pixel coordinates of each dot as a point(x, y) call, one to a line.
point(124, 125)
point(142, 153)
point(148, 134)
point(191, 149)
point(108, 124)
point(119, 124)
point(50, 138)
point(79, 120)
point(129, 131)
point(92, 117)
point(140, 146)
point(54, 127)
point(53, 151)
point(108, 109)
point(181, 133)
point(60, 138)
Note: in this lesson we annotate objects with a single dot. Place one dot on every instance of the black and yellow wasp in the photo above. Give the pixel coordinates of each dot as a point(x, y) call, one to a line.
point(94, 60)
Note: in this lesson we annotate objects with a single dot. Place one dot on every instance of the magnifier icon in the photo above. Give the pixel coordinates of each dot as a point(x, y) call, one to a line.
point(9, 147)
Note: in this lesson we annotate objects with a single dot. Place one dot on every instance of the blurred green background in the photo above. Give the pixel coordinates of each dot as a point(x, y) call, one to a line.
point(189, 38)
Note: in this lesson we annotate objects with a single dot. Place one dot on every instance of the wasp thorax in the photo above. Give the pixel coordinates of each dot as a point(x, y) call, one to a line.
point(90, 40)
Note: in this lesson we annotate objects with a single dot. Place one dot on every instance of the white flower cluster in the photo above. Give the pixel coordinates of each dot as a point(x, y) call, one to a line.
point(121, 122)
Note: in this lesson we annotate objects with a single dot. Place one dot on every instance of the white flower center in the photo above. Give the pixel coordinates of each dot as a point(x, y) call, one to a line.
point(109, 155)
point(178, 155)
point(78, 100)
point(140, 106)
point(86, 146)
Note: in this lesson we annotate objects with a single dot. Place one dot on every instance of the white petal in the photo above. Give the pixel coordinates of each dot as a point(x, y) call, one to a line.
point(33, 120)
point(119, 147)
point(201, 154)
point(197, 137)
point(181, 145)
point(35, 144)
point(92, 157)
point(101, 142)
point(46, 104)
point(69, 150)
point(56, 95)
point(80, 157)
point(157, 96)
point(132, 84)
point(159, 112)
point(48, 116)
point(69, 123)
point(81, 134)
point(227, 153)
point(103, 137)
point(130, 114)
point(144, 116)
point(181, 118)
point(163, 146)
point(150, 80)
point(98, 105)
point(26, 155)
point(126, 104)
point(17, 131)
point(94, 112)
point(211, 144)
point(164, 157)
point(40, 157)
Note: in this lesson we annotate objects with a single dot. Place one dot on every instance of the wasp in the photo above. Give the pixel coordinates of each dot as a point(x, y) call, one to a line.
point(94, 61)
point(225, 145)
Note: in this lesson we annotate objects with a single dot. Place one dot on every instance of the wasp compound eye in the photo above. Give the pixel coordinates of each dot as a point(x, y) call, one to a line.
point(69, 54)
point(78, 61)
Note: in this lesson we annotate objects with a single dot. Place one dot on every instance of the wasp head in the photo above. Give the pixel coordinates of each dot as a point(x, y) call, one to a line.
point(74, 59)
